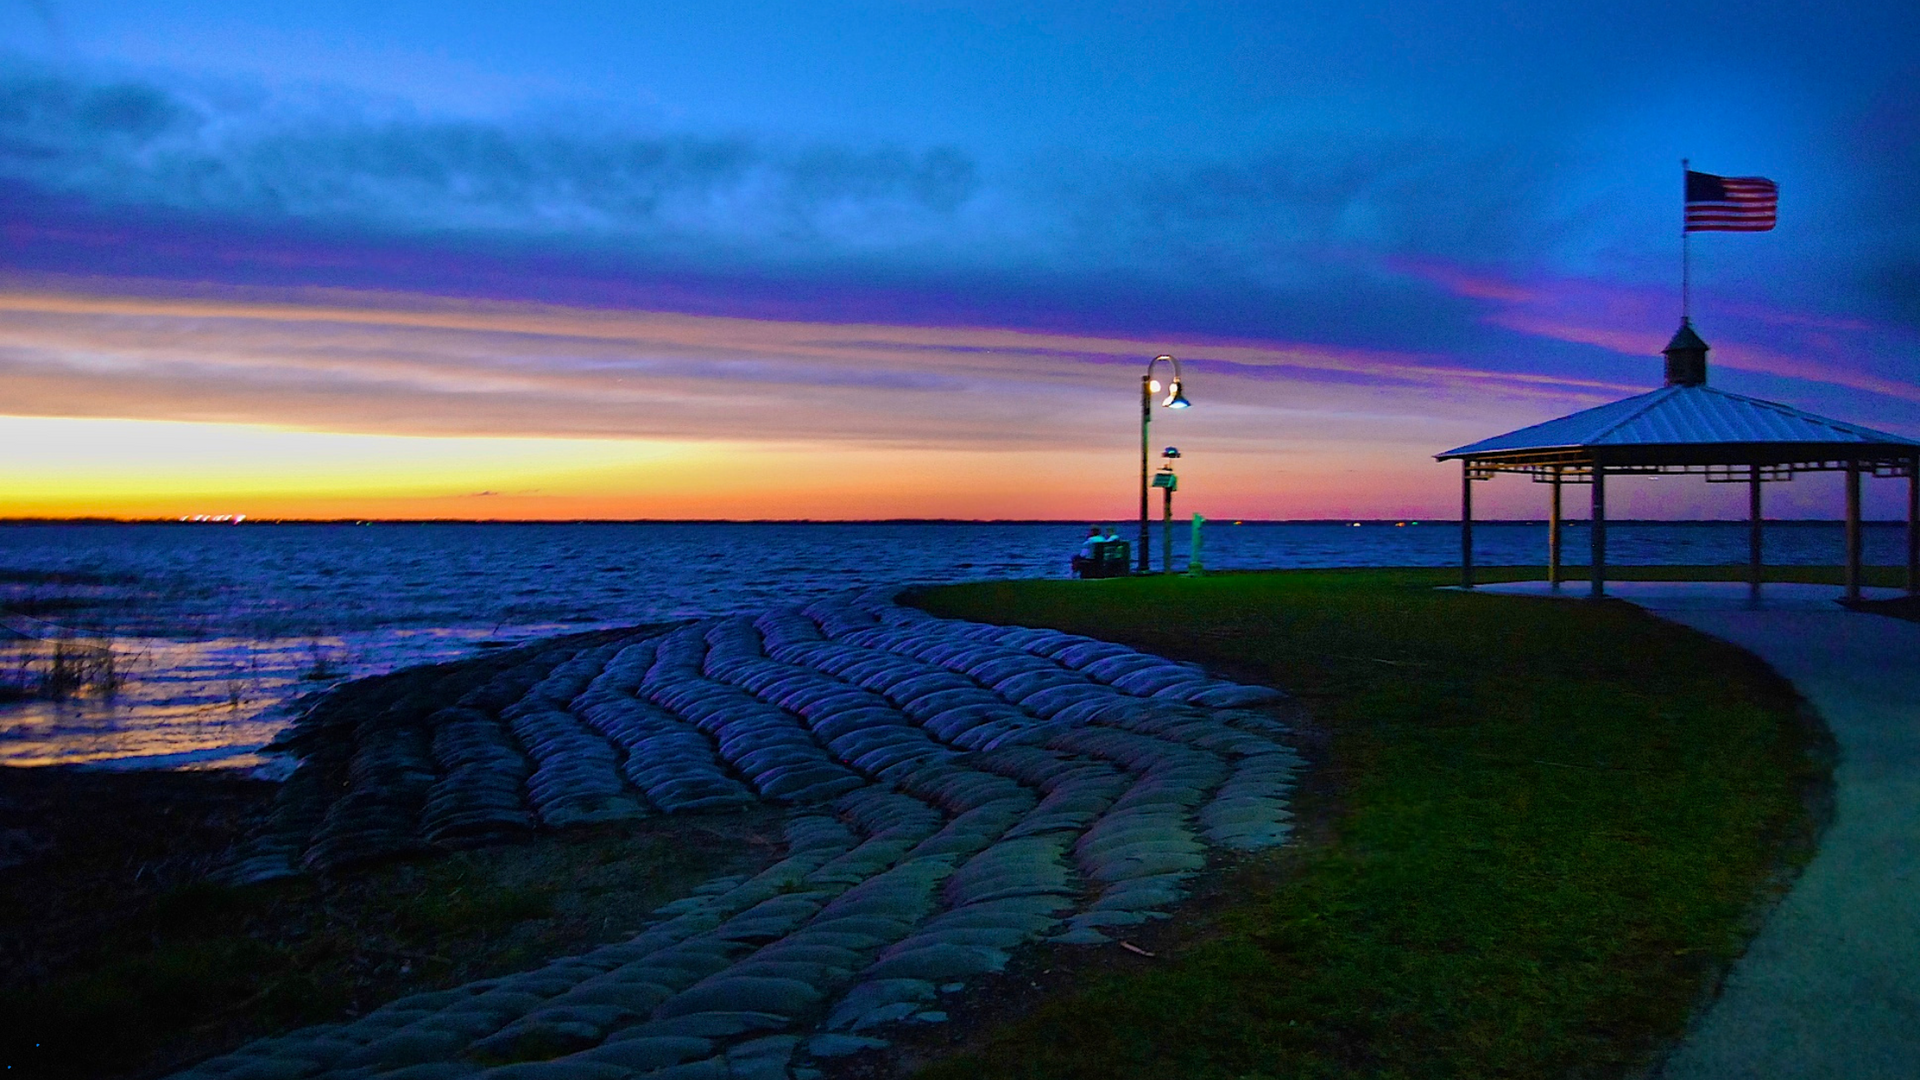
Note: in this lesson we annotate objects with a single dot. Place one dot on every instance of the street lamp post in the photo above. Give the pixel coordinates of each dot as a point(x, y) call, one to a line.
point(1149, 386)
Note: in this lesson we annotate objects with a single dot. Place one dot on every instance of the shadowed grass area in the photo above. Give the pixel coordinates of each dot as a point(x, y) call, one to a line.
point(1547, 829)
point(119, 962)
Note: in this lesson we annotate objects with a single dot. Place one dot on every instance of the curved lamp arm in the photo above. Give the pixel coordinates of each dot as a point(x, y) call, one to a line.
point(1175, 399)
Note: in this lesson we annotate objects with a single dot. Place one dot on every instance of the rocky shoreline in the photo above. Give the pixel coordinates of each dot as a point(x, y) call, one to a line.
point(947, 793)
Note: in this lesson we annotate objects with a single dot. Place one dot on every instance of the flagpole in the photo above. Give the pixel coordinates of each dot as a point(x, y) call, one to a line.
point(1686, 250)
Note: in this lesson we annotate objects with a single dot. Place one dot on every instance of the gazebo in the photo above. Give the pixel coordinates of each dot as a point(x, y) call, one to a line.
point(1687, 426)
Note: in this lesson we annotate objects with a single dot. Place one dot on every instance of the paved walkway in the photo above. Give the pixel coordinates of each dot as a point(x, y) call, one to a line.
point(1831, 986)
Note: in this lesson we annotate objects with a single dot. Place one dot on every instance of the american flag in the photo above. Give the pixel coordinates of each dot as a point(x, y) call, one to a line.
point(1730, 203)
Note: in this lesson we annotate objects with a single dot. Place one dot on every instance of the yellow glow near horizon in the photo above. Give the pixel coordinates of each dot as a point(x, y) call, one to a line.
point(84, 465)
point(332, 404)
point(62, 467)
point(328, 403)
point(164, 469)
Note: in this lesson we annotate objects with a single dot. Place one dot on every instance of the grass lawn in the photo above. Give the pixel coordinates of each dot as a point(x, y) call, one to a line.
point(1535, 835)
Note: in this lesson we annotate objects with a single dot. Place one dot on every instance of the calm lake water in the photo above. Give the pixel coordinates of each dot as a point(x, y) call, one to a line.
point(215, 630)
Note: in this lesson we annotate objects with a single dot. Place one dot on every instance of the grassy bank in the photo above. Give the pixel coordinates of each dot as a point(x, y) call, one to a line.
point(1537, 833)
point(119, 961)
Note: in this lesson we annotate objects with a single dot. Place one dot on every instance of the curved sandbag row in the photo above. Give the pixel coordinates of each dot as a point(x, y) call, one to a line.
point(676, 764)
point(668, 759)
point(478, 796)
point(566, 681)
point(373, 784)
point(793, 950)
point(1029, 879)
point(1019, 886)
point(767, 745)
point(1124, 668)
point(1038, 688)
point(868, 731)
point(1143, 709)
point(1144, 841)
point(861, 728)
point(838, 616)
point(326, 738)
point(576, 778)
point(875, 730)
point(1075, 790)
point(785, 626)
point(395, 773)
point(1011, 893)
point(1006, 893)
point(907, 682)
point(1144, 846)
point(1249, 812)
point(388, 780)
point(950, 706)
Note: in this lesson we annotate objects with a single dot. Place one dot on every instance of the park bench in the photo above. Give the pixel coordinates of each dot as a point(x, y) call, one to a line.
point(1111, 558)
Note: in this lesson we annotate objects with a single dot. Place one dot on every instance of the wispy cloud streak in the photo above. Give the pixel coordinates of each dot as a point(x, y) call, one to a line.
point(1844, 352)
point(395, 364)
point(1290, 219)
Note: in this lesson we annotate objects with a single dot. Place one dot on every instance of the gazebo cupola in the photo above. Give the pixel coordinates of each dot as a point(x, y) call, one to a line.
point(1686, 357)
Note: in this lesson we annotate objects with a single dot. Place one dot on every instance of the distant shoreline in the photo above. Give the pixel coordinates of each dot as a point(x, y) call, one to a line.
point(1223, 522)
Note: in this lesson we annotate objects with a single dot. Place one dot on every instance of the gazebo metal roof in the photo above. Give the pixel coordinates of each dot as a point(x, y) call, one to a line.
point(1687, 428)
point(1684, 414)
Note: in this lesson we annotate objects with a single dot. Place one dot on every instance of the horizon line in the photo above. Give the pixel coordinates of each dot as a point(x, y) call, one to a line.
point(228, 520)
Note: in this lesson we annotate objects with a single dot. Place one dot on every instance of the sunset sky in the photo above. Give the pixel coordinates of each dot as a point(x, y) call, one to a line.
point(908, 259)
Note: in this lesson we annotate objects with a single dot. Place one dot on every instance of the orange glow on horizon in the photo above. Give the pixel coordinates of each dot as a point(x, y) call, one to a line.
point(148, 469)
point(338, 404)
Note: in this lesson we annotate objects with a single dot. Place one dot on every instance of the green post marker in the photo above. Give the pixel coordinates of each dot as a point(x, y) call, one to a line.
point(1168, 483)
point(1194, 567)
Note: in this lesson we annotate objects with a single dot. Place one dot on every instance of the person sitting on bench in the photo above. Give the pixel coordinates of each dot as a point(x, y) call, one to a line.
point(1089, 554)
point(1104, 555)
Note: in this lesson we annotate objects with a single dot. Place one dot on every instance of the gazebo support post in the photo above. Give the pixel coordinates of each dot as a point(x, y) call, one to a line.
point(1913, 527)
point(1553, 535)
point(1755, 568)
point(1466, 524)
point(1853, 530)
point(1599, 531)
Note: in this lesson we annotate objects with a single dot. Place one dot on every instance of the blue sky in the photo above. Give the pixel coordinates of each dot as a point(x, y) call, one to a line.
point(1481, 188)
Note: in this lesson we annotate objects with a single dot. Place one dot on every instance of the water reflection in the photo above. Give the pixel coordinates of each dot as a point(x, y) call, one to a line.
point(218, 631)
